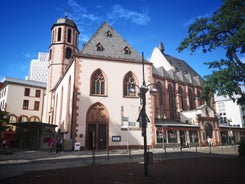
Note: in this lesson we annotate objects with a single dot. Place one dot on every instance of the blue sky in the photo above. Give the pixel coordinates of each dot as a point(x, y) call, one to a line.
point(26, 24)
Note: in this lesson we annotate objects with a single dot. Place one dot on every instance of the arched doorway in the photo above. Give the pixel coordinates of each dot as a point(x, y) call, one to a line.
point(97, 127)
point(209, 130)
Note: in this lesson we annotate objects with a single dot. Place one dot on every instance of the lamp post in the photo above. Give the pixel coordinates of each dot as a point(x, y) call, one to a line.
point(143, 118)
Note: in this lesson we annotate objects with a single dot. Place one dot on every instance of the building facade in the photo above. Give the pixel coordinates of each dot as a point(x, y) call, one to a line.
point(39, 68)
point(229, 112)
point(23, 99)
point(91, 103)
point(88, 95)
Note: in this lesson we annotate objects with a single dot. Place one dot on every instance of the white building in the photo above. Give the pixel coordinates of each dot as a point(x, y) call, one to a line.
point(88, 95)
point(39, 68)
point(23, 99)
point(229, 112)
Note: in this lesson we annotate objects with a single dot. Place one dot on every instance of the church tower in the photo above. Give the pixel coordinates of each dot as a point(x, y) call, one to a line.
point(64, 44)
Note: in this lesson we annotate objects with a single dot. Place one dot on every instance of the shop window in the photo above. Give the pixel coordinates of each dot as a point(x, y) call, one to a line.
point(193, 136)
point(172, 136)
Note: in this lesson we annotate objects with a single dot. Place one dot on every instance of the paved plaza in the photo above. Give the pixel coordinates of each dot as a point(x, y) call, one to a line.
point(124, 166)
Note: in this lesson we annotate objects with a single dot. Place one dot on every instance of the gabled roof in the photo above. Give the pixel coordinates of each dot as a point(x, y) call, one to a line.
point(107, 43)
point(176, 68)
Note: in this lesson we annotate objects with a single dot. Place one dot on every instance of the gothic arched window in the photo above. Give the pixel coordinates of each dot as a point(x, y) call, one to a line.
point(159, 101)
point(181, 98)
point(129, 83)
point(98, 83)
point(172, 103)
point(191, 99)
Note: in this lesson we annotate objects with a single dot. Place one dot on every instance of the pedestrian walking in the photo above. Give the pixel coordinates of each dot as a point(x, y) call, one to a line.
point(51, 144)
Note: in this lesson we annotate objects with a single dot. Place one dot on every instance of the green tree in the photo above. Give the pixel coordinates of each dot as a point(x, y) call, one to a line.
point(3, 120)
point(224, 29)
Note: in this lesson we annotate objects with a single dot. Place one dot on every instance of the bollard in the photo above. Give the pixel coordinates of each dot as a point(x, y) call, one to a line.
point(93, 158)
point(130, 156)
point(108, 154)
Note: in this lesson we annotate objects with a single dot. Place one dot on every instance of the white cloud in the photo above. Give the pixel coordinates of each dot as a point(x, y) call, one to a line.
point(27, 54)
point(87, 19)
point(120, 13)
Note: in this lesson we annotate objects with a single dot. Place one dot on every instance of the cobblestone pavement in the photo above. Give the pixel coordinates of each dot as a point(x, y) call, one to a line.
point(22, 162)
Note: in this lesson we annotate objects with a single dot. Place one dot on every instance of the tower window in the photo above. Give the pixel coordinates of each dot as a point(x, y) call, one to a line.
point(68, 53)
point(50, 54)
point(59, 34)
point(69, 36)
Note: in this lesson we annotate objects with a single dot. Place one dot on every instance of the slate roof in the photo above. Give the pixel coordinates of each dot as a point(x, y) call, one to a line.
point(9, 80)
point(107, 43)
point(181, 71)
point(65, 21)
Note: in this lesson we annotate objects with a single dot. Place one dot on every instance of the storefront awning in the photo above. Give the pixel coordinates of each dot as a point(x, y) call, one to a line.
point(32, 124)
point(169, 123)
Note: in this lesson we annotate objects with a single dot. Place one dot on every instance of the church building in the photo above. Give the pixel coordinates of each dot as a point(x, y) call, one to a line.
point(88, 93)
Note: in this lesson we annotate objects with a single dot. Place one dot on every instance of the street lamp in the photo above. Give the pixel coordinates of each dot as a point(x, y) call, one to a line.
point(143, 118)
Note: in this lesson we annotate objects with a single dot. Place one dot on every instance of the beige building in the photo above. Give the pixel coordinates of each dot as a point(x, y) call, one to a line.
point(23, 99)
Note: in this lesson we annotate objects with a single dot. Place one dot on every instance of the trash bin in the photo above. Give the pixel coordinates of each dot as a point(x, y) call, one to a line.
point(77, 146)
point(149, 157)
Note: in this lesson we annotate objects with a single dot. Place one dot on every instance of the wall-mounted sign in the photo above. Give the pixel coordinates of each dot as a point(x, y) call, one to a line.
point(130, 123)
point(116, 138)
point(124, 118)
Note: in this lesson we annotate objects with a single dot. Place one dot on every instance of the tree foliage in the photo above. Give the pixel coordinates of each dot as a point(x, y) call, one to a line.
point(3, 120)
point(224, 29)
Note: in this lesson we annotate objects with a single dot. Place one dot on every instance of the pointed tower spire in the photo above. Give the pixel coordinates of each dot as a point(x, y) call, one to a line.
point(66, 13)
point(161, 47)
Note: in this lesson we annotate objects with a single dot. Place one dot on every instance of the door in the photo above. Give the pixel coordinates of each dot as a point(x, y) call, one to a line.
point(91, 136)
point(102, 137)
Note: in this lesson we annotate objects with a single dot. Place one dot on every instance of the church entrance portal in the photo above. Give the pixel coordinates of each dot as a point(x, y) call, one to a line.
point(209, 130)
point(97, 127)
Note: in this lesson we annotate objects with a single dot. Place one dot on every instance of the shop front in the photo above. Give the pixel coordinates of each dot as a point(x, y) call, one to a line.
point(176, 134)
